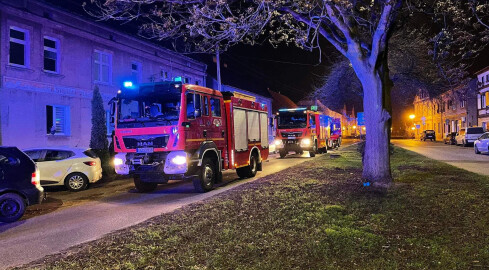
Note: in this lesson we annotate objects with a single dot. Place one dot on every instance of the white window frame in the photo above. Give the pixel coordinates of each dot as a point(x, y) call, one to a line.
point(66, 126)
point(137, 74)
point(99, 62)
point(56, 50)
point(26, 44)
point(462, 103)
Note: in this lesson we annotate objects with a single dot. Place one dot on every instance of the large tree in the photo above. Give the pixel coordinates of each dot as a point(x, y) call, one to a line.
point(359, 30)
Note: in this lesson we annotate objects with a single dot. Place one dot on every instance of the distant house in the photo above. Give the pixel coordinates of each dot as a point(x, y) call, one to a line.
point(51, 61)
point(450, 111)
point(281, 102)
point(483, 97)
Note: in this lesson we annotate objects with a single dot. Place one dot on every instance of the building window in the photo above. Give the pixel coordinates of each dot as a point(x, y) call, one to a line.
point(51, 54)
point(462, 103)
point(483, 100)
point(19, 47)
point(136, 72)
point(102, 67)
point(165, 76)
point(186, 80)
point(197, 82)
point(57, 120)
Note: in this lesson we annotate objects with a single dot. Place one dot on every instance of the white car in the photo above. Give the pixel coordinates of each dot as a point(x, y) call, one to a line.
point(72, 167)
point(482, 144)
point(469, 135)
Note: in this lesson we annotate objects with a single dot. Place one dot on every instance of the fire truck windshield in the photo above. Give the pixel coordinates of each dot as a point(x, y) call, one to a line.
point(149, 111)
point(292, 120)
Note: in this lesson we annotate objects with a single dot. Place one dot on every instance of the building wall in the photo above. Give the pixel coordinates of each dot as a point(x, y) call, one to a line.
point(25, 92)
point(483, 97)
point(451, 111)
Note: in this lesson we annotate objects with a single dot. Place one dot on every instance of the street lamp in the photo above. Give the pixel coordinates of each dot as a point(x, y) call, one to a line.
point(412, 116)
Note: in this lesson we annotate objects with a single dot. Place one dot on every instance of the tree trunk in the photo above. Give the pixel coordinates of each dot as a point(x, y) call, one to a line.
point(376, 161)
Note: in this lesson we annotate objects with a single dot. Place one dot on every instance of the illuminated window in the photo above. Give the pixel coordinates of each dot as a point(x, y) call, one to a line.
point(57, 120)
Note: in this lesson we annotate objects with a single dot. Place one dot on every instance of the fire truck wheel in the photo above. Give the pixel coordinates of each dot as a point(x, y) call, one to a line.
point(207, 178)
point(249, 171)
point(312, 152)
point(144, 187)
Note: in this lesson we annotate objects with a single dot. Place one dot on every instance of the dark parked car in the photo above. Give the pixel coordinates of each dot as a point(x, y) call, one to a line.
point(450, 138)
point(428, 135)
point(19, 184)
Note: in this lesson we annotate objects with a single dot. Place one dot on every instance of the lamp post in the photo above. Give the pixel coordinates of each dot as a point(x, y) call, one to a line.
point(412, 116)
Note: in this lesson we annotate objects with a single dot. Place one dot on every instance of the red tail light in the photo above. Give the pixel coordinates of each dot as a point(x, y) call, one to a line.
point(34, 179)
point(90, 163)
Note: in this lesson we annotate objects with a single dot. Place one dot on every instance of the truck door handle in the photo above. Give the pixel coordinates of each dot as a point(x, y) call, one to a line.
point(222, 133)
point(205, 134)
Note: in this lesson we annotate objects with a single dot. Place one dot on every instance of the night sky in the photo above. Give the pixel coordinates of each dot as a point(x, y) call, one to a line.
point(287, 69)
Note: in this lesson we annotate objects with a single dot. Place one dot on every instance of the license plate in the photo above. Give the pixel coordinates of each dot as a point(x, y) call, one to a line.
point(145, 150)
point(290, 142)
point(291, 137)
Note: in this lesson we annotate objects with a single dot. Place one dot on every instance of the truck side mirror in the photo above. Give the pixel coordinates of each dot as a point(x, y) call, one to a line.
point(185, 124)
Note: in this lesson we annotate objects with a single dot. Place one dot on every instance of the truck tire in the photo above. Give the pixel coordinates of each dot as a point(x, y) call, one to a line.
point(250, 170)
point(207, 176)
point(312, 152)
point(12, 207)
point(143, 187)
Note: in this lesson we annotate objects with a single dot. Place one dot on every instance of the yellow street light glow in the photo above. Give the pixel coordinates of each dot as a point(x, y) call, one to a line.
point(354, 127)
point(413, 128)
point(364, 128)
point(412, 116)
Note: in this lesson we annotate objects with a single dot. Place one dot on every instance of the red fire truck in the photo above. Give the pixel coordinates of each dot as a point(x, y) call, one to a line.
point(170, 130)
point(335, 138)
point(302, 129)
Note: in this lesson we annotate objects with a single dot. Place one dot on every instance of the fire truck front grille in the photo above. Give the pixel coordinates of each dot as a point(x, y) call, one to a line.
point(291, 134)
point(133, 142)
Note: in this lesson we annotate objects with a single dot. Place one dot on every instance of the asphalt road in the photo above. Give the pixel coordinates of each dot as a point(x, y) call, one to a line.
point(102, 212)
point(458, 156)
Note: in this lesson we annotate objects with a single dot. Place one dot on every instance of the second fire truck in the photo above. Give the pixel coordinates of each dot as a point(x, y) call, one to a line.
point(302, 129)
point(171, 130)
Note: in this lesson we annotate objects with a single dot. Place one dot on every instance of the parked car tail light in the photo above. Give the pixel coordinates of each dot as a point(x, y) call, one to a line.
point(36, 178)
point(90, 163)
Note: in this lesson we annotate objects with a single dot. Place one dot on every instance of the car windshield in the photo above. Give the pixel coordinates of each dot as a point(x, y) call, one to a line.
point(163, 110)
point(477, 130)
point(292, 120)
point(430, 131)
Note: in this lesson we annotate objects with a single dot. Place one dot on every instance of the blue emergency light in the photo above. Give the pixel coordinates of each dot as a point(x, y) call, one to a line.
point(291, 110)
point(128, 84)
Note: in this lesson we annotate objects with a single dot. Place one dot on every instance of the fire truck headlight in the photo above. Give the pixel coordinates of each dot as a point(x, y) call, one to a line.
point(278, 142)
point(306, 142)
point(176, 162)
point(179, 160)
point(120, 164)
point(118, 161)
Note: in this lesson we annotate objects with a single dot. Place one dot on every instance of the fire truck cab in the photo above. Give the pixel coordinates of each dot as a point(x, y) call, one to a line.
point(302, 129)
point(170, 130)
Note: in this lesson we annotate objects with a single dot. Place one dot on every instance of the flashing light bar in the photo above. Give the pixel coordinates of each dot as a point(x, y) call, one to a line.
point(128, 84)
point(291, 110)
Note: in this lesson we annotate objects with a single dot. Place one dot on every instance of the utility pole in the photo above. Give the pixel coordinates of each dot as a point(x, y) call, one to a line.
point(218, 63)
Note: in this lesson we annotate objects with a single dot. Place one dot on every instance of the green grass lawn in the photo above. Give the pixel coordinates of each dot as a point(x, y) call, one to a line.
point(316, 215)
